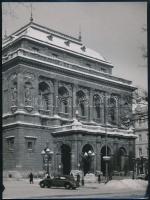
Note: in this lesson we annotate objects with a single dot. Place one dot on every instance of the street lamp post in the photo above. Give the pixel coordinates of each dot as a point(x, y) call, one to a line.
point(87, 156)
point(84, 156)
point(106, 157)
point(47, 157)
point(59, 167)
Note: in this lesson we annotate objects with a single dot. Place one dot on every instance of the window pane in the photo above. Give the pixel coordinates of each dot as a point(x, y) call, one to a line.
point(29, 145)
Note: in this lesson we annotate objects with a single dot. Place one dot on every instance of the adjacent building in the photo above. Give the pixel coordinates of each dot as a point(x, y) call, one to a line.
point(60, 96)
point(141, 130)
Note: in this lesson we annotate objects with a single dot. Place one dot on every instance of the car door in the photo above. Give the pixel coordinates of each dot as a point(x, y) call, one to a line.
point(62, 181)
point(57, 182)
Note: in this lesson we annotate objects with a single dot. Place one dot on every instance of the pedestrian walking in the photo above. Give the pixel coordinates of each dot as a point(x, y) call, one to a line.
point(99, 178)
point(31, 178)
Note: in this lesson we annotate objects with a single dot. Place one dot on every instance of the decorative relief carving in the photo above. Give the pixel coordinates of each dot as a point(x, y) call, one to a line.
point(28, 94)
point(126, 111)
point(29, 78)
point(67, 86)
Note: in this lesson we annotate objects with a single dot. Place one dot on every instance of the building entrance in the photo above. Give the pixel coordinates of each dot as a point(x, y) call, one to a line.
point(87, 158)
point(122, 159)
point(66, 159)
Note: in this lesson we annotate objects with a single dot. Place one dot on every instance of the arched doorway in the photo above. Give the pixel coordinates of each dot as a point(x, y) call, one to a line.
point(87, 158)
point(66, 159)
point(122, 159)
point(103, 163)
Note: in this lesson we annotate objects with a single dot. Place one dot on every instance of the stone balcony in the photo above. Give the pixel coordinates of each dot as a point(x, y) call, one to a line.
point(78, 126)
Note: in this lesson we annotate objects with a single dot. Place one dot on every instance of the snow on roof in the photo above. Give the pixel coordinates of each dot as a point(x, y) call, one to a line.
point(58, 41)
point(55, 38)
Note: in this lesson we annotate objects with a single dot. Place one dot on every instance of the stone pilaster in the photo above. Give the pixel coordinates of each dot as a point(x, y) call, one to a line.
point(91, 105)
point(102, 111)
point(20, 86)
point(56, 97)
point(74, 156)
point(35, 94)
point(98, 158)
point(115, 156)
point(74, 97)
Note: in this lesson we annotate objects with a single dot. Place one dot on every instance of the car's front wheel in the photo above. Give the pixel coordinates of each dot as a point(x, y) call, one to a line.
point(67, 186)
point(42, 185)
point(49, 186)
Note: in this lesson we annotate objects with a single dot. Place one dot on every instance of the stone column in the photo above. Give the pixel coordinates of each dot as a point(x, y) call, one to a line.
point(74, 98)
point(118, 112)
point(55, 102)
point(35, 95)
point(5, 95)
point(91, 105)
point(70, 102)
point(98, 158)
point(20, 85)
point(115, 156)
point(74, 156)
point(102, 112)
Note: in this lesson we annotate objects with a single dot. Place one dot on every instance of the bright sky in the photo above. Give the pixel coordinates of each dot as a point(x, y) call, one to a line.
point(114, 29)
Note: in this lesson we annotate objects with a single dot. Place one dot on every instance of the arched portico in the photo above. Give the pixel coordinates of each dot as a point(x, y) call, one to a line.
point(66, 159)
point(87, 158)
point(122, 159)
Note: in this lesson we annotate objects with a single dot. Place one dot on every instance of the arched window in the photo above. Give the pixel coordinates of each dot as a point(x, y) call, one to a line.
point(81, 100)
point(112, 110)
point(63, 97)
point(45, 96)
point(82, 109)
point(97, 107)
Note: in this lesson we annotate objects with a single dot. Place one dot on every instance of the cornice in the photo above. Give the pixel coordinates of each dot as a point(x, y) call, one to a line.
point(66, 71)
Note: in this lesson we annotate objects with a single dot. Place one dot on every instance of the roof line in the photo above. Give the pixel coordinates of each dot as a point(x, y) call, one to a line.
point(21, 29)
point(32, 24)
point(57, 32)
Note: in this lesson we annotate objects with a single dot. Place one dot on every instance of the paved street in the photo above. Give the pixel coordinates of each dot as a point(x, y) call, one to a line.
point(20, 189)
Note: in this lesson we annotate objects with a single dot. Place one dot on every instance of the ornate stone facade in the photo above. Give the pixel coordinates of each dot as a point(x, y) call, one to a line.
point(57, 95)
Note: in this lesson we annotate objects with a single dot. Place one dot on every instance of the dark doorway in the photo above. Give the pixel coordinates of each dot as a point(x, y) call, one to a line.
point(87, 160)
point(122, 159)
point(103, 163)
point(66, 159)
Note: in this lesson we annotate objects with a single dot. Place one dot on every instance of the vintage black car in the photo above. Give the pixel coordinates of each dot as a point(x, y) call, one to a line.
point(59, 181)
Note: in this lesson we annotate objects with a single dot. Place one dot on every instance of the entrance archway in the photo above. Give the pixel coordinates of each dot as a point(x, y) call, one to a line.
point(103, 163)
point(122, 159)
point(66, 159)
point(87, 160)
